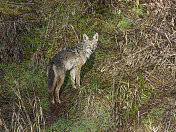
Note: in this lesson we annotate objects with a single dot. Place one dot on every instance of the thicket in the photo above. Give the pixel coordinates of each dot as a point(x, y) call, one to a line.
point(127, 85)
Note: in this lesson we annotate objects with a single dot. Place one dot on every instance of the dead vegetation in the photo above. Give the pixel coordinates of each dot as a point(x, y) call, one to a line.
point(131, 85)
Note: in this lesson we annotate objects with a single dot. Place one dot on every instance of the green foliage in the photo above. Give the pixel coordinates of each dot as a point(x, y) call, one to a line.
point(111, 91)
point(83, 126)
point(92, 123)
point(28, 79)
point(125, 23)
point(137, 11)
point(10, 8)
point(68, 125)
point(130, 98)
point(60, 125)
point(154, 117)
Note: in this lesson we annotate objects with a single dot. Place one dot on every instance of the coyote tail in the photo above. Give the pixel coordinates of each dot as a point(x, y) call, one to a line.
point(51, 81)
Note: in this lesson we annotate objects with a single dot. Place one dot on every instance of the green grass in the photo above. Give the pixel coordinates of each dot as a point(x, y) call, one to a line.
point(154, 117)
point(111, 93)
point(30, 80)
point(95, 118)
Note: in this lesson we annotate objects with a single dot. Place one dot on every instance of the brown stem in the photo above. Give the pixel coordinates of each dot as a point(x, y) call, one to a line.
point(161, 34)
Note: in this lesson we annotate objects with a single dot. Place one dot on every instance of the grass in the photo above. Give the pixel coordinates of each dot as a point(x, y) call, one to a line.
point(123, 84)
point(154, 117)
point(17, 75)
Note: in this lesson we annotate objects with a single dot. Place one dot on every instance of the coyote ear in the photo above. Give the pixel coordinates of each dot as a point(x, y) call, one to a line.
point(85, 37)
point(95, 37)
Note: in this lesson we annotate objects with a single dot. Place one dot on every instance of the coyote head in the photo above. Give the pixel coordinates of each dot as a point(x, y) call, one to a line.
point(90, 44)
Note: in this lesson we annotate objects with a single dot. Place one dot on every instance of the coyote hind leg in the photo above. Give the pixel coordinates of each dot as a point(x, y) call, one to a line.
point(59, 84)
point(51, 92)
point(51, 98)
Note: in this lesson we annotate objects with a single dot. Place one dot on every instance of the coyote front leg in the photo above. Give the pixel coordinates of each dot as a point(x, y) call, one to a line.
point(73, 74)
point(78, 70)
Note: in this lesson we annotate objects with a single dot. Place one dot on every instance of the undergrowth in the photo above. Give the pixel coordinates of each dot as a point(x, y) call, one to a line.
point(128, 84)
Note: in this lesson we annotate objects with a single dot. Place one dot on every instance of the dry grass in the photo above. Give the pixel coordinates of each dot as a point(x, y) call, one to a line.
point(131, 84)
point(147, 51)
point(27, 114)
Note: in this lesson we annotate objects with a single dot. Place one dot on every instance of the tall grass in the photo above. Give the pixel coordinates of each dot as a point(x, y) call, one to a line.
point(27, 114)
point(123, 85)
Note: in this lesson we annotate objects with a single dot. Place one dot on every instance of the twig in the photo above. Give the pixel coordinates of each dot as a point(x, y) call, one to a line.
point(75, 32)
point(163, 35)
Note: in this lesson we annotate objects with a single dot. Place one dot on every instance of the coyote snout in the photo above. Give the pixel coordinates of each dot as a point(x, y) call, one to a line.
point(72, 59)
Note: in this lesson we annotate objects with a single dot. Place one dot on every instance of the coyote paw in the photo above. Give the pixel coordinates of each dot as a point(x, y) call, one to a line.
point(58, 101)
point(74, 86)
point(52, 101)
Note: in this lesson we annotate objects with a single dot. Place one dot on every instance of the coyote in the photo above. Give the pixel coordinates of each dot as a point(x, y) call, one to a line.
point(72, 59)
